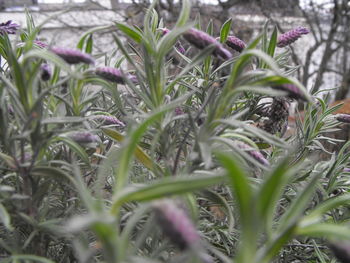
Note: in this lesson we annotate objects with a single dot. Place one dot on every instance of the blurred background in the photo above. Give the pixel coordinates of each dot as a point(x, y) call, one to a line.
point(322, 55)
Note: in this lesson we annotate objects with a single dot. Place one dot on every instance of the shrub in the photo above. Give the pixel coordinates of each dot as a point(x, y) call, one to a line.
point(93, 159)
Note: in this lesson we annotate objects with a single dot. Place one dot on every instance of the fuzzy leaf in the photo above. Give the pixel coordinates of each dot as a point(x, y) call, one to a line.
point(225, 30)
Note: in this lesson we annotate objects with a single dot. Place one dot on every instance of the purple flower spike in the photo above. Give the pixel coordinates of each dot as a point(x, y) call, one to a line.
point(257, 155)
point(292, 90)
point(201, 40)
point(176, 224)
point(115, 75)
point(84, 137)
point(40, 44)
point(346, 170)
point(73, 56)
point(291, 36)
point(235, 43)
point(45, 72)
point(110, 120)
point(8, 28)
point(345, 118)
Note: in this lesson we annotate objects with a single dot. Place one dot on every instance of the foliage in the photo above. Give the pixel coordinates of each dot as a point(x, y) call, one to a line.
point(191, 129)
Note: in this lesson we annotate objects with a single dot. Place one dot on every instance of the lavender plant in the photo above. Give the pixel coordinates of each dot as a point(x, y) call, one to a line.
point(156, 163)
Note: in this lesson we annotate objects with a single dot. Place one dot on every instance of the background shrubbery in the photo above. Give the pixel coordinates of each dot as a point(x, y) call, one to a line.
point(167, 162)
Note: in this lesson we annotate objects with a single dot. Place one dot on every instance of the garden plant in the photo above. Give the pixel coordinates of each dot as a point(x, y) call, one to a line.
point(173, 148)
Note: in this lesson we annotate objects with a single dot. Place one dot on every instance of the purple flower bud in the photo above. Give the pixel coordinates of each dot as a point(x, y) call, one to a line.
point(180, 47)
point(291, 36)
point(110, 120)
point(178, 44)
point(201, 40)
point(346, 170)
point(115, 75)
point(73, 56)
point(257, 155)
point(133, 78)
point(83, 137)
point(176, 224)
point(343, 118)
point(8, 28)
point(179, 111)
point(293, 91)
point(235, 43)
point(40, 44)
point(164, 31)
point(45, 72)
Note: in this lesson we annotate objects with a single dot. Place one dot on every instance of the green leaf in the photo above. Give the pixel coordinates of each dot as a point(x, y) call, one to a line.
point(225, 30)
point(74, 147)
point(325, 230)
point(89, 45)
point(269, 194)
point(185, 13)
point(129, 147)
point(29, 22)
point(92, 204)
point(267, 137)
point(279, 80)
point(273, 246)
point(297, 208)
point(165, 187)
point(273, 43)
point(210, 28)
point(130, 32)
point(239, 184)
point(5, 217)
point(131, 142)
point(264, 37)
point(47, 171)
point(194, 62)
point(154, 20)
point(244, 197)
point(123, 49)
point(87, 34)
point(8, 160)
point(167, 42)
point(317, 213)
point(16, 72)
point(141, 156)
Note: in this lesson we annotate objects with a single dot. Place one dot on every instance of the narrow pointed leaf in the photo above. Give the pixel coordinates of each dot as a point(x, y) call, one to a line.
point(225, 30)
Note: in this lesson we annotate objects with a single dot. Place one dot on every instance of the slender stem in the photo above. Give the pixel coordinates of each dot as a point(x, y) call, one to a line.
point(177, 158)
